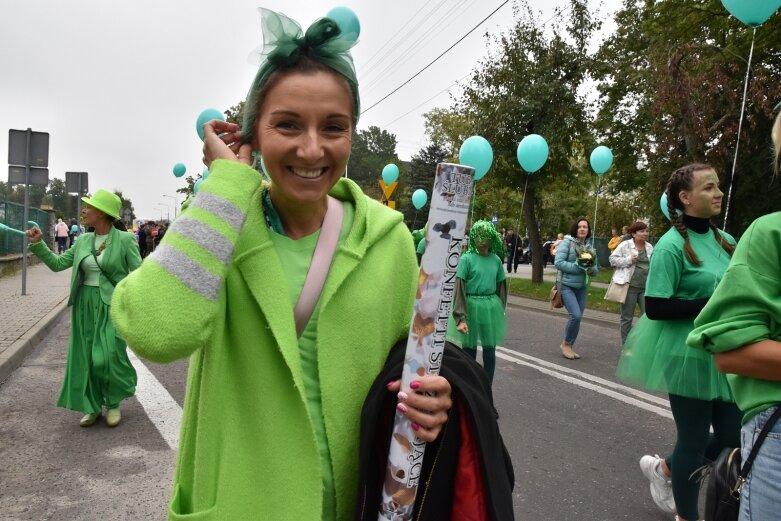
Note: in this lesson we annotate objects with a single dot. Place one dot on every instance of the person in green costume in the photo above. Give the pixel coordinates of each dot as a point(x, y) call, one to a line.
point(272, 413)
point(481, 297)
point(686, 267)
point(740, 325)
point(98, 372)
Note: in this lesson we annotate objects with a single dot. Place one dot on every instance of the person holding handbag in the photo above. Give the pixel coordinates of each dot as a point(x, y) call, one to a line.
point(576, 262)
point(741, 326)
point(98, 372)
point(632, 260)
point(687, 266)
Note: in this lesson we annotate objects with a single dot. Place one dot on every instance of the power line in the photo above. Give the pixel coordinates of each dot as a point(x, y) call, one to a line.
point(437, 58)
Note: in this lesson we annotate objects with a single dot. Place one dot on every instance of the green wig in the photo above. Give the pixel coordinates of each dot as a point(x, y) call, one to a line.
point(286, 48)
point(484, 231)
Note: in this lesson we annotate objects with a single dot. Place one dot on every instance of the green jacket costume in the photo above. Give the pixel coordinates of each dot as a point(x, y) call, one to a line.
point(215, 289)
point(746, 308)
point(116, 262)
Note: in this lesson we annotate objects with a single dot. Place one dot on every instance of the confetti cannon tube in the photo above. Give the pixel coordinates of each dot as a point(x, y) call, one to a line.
point(447, 222)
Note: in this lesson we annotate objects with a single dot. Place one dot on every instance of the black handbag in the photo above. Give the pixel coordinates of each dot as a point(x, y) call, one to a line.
point(727, 476)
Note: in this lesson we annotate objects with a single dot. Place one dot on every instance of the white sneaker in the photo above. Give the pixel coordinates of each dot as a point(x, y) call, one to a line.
point(661, 487)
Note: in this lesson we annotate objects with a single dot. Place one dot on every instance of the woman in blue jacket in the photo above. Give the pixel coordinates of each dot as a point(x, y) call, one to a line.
point(576, 262)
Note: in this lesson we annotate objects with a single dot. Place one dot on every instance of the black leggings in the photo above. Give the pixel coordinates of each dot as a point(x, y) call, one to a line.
point(696, 445)
point(489, 360)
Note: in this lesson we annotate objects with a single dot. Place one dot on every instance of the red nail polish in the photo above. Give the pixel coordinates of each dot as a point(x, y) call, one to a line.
point(402, 396)
point(414, 385)
point(401, 408)
point(415, 427)
point(390, 384)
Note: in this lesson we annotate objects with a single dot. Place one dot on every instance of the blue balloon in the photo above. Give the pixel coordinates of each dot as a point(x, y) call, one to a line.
point(179, 169)
point(390, 173)
point(601, 159)
point(205, 173)
point(347, 21)
point(752, 12)
point(419, 198)
point(532, 152)
point(205, 116)
point(663, 205)
point(197, 186)
point(476, 152)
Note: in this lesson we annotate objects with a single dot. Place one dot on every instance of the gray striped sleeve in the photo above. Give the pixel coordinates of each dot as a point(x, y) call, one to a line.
point(189, 272)
point(222, 208)
point(204, 236)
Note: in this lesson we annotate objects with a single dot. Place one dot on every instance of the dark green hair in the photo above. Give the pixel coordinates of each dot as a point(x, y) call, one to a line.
point(286, 49)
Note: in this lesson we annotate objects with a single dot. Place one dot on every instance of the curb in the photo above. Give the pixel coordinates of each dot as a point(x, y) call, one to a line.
point(596, 320)
point(14, 356)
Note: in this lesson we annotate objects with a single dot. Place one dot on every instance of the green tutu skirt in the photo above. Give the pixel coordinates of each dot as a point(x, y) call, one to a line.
point(98, 372)
point(486, 321)
point(655, 356)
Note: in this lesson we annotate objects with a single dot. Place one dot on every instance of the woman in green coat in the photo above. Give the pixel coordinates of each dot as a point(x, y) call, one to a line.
point(98, 372)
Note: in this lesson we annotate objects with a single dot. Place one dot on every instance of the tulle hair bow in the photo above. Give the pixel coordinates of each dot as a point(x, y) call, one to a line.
point(284, 43)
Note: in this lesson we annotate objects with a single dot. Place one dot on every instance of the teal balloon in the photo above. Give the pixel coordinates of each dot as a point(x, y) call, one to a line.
point(419, 198)
point(532, 153)
point(347, 21)
point(179, 169)
point(197, 186)
point(205, 173)
point(390, 173)
point(205, 116)
point(752, 12)
point(476, 152)
point(601, 159)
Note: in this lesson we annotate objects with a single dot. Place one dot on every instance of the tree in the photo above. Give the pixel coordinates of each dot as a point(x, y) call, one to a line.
point(65, 204)
point(372, 149)
point(672, 83)
point(126, 205)
point(511, 95)
point(422, 168)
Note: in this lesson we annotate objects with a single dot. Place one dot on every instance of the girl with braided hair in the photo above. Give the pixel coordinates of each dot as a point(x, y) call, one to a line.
point(740, 326)
point(688, 263)
point(481, 296)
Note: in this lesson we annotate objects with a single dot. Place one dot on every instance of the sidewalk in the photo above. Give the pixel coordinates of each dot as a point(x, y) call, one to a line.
point(25, 320)
point(602, 318)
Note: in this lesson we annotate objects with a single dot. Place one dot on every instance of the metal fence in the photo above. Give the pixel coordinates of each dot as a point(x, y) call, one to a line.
point(12, 214)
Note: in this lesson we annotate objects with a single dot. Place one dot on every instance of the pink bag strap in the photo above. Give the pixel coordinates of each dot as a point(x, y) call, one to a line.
point(321, 263)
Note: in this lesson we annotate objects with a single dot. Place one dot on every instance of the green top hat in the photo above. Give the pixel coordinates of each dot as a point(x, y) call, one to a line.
point(106, 202)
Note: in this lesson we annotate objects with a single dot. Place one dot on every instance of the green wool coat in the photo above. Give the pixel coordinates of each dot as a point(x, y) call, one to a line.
point(215, 289)
point(116, 261)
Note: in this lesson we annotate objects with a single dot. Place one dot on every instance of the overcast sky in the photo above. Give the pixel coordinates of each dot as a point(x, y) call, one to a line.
point(119, 85)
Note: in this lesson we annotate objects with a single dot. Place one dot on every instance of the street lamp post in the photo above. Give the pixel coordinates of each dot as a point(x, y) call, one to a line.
point(176, 204)
point(168, 209)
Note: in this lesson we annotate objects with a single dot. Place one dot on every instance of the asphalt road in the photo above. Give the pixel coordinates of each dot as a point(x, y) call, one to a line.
point(575, 434)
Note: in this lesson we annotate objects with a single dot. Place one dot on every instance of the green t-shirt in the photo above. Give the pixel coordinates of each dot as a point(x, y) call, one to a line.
point(296, 256)
point(745, 309)
point(671, 275)
point(480, 273)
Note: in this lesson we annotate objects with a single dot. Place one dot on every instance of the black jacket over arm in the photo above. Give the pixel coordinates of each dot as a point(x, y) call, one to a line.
point(472, 410)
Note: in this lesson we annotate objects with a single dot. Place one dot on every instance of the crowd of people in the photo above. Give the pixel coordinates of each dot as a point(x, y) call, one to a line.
point(279, 274)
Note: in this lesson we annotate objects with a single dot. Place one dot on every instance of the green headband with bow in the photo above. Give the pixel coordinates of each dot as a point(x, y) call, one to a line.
point(284, 45)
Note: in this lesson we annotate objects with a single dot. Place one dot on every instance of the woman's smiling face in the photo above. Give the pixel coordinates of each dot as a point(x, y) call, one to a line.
point(304, 132)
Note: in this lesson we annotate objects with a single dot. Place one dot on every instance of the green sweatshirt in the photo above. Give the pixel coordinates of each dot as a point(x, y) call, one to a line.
point(215, 289)
point(746, 308)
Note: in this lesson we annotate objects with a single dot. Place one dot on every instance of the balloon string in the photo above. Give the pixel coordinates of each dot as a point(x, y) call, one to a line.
point(596, 205)
point(523, 201)
point(414, 221)
point(740, 127)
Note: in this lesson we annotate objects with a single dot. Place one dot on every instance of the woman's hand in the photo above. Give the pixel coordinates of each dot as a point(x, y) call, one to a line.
point(427, 406)
point(462, 327)
point(34, 235)
point(222, 140)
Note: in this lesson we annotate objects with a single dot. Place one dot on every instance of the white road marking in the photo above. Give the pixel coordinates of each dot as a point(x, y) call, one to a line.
point(160, 407)
point(599, 385)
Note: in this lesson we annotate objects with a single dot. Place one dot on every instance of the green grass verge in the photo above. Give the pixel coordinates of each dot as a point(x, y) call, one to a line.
point(596, 296)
